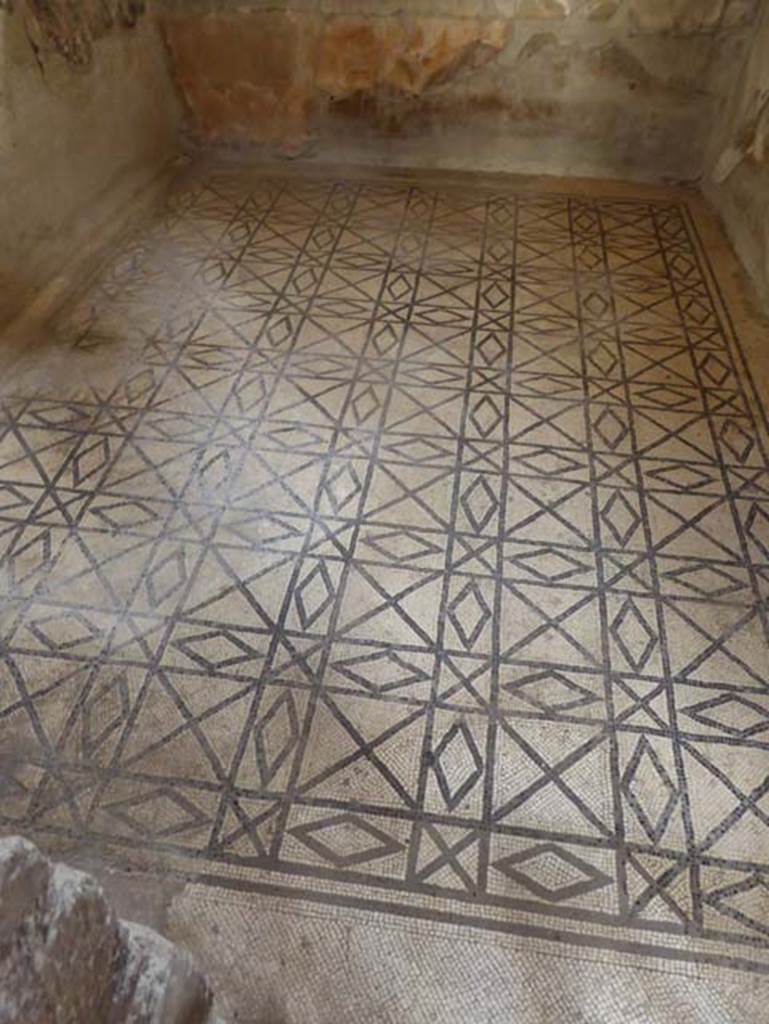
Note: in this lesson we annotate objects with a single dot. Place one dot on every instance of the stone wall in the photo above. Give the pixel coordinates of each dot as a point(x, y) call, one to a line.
point(87, 115)
point(616, 88)
point(737, 181)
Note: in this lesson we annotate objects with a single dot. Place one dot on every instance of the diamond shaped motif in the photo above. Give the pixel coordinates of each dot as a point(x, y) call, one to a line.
point(621, 517)
point(501, 212)
point(214, 471)
point(364, 405)
point(435, 375)
point(681, 265)
point(705, 580)
point(167, 577)
point(546, 387)
point(667, 397)
point(757, 527)
point(64, 630)
point(584, 221)
point(60, 416)
point(124, 515)
point(385, 338)
point(552, 873)
point(399, 287)
point(469, 613)
point(401, 545)
point(159, 814)
point(551, 565)
point(549, 463)
point(603, 358)
point(458, 764)
point(89, 460)
point(104, 711)
point(249, 393)
point(485, 416)
point(652, 804)
point(696, 310)
point(323, 236)
point(610, 428)
point(737, 441)
point(494, 295)
point(550, 691)
point(342, 486)
point(590, 256)
point(633, 635)
point(498, 250)
point(681, 478)
point(596, 304)
point(314, 595)
point(346, 840)
point(275, 736)
point(714, 368)
point(732, 714)
point(30, 557)
point(306, 279)
point(174, 427)
point(216, 649)
point(491, 348)
point(479, 503)
point(418, 449)
point(382, 671)
point(280, 331)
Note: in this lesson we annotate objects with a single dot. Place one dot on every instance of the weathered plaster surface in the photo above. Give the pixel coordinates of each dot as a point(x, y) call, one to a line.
point(737, 181)
point(609, 87)
point(87, 114)
point(71, 28)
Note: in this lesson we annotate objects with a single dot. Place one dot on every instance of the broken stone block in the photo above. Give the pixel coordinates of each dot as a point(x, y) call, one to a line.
point(61, 943)
point(65, 958)
point(163, 982)
point(24, 874)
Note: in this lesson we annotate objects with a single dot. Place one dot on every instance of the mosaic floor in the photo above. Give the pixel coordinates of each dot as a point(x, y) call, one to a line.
point(405, 548)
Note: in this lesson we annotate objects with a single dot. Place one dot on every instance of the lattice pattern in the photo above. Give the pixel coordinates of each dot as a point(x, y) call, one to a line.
point(406, 544)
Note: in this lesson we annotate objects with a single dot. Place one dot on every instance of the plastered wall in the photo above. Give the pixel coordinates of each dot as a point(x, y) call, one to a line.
point(737, 177)
point(621, 88)
point(87, 116)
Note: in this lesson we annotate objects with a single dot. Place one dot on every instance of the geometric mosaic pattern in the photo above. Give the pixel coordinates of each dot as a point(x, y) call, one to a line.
point(402, 546)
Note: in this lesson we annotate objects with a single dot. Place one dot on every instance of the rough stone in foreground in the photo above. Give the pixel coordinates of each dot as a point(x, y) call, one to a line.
point(65, 958)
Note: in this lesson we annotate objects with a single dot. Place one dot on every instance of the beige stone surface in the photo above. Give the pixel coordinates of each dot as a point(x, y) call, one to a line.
point(310, 964)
